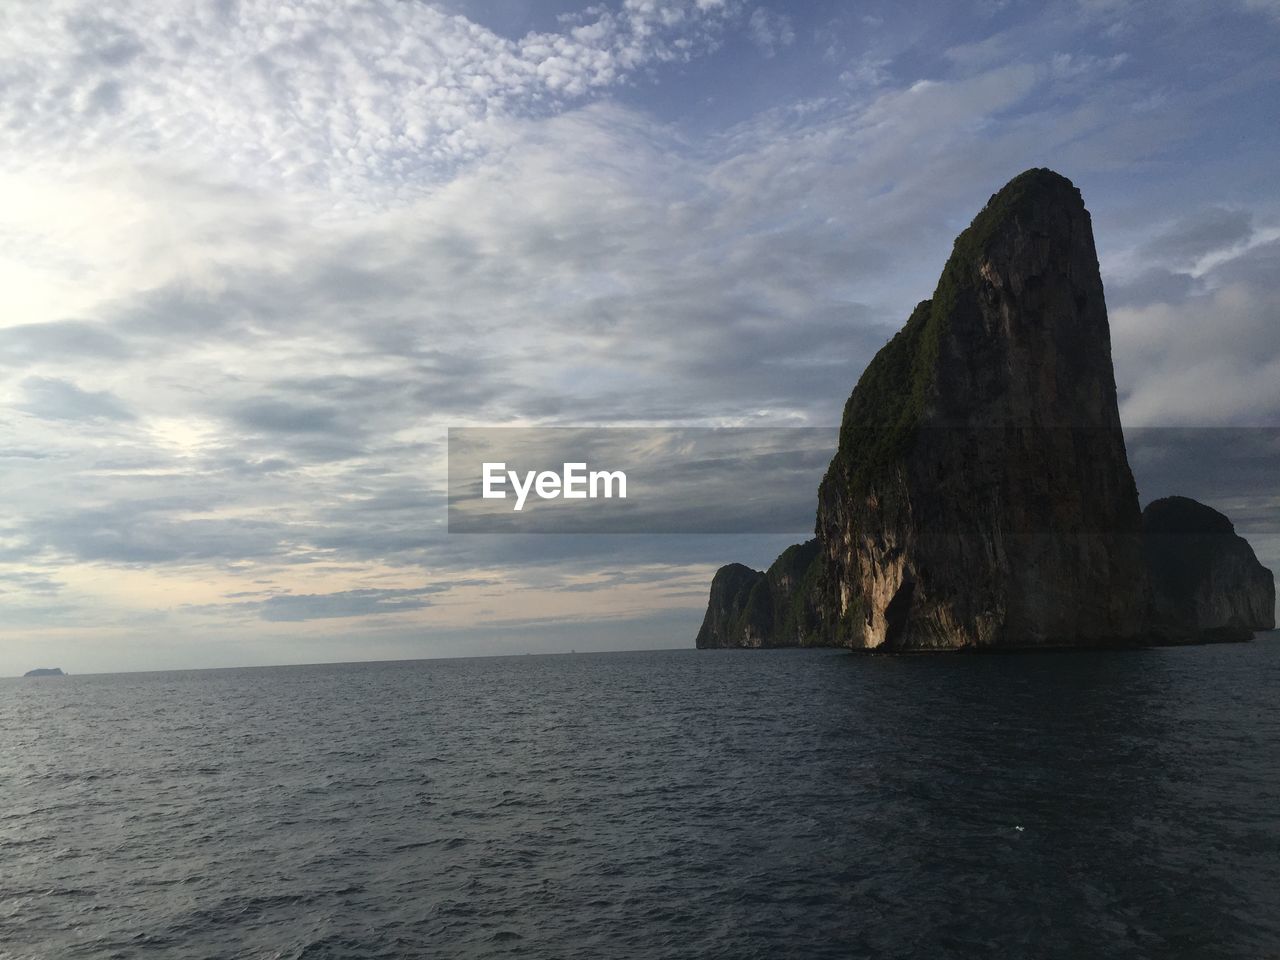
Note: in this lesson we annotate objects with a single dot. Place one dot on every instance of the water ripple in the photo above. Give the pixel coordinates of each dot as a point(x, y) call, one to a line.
point(779, 804)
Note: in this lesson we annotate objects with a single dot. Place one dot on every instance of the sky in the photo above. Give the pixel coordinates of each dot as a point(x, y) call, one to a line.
point(257, 257)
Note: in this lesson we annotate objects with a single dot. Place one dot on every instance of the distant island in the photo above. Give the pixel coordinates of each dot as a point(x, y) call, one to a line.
point(45, 672)
point(980, 496)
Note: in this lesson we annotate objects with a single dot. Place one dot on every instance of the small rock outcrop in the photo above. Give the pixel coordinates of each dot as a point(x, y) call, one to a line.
point(730, 620)
point(45, 672)
point(1206, 582)
point(778, 608)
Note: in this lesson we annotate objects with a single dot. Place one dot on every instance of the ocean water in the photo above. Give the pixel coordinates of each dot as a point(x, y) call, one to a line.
point(651, 805)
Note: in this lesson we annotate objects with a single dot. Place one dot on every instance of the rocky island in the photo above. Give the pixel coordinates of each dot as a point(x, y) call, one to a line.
point(981, 496)
point(45, 672)
point(1206, 582)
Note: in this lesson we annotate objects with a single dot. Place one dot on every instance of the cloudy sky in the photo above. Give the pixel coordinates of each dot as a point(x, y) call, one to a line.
point(257, 256)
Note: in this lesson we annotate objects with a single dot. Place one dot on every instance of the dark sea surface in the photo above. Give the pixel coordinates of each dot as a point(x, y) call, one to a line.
point(651, 805)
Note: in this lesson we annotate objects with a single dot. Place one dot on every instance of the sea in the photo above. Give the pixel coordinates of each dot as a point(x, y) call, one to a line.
point(683, 803)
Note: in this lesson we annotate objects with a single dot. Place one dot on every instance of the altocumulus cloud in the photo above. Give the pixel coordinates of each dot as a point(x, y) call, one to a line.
point(335, 93)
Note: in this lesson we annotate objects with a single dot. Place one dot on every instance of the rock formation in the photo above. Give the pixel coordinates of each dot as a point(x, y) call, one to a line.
point(980, 495)
point(728, 622)
point(777, 608)
point(1206, 582)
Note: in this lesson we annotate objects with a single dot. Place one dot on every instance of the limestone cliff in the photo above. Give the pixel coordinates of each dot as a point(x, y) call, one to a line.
point(777, 608)
point(1206, 582)
point(981, 496)
point(731, 620)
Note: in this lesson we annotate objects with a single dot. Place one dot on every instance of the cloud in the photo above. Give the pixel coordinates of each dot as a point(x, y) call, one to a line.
point(130, 531)
point(1153, 285)
point(1232, 468)
point(292, 386)
point(1185, 243)
point(241, 328)
point(269, 415)
point(52, 399)
point(26, 343)
point(1212, 356)
point(1271, 7)
point(866, 72)
point(770, 30)
point(342, 604)
point(29, 583)
point(359, 96)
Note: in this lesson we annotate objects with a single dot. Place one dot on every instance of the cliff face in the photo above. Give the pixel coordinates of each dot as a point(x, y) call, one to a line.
point(981, 495)
point(777, 608)
point(1206, 582)
point(728, 622)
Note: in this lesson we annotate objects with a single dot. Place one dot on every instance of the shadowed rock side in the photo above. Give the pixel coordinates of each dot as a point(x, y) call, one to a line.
point(726, 623)
point(1206, 582)
point(777, 608)
point(981, 495)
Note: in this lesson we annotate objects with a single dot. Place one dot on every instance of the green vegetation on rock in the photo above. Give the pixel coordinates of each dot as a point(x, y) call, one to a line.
point(795, 578)
point(883, 414)
point(884, 411)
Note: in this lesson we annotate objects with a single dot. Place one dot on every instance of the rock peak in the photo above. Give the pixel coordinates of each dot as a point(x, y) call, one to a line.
point(1182, 515)
point(1035, 192)
point(1036, 183)
point(1036, 209)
